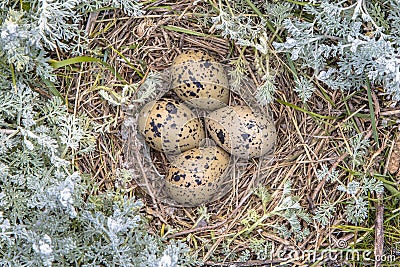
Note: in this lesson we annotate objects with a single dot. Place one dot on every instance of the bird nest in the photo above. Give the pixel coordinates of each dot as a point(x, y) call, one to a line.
point(148, 167)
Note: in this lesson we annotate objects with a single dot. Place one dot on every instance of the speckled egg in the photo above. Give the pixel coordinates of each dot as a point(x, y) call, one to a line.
point(196, 176)
point(197, 78)
point(170, 126)
point(241, 131)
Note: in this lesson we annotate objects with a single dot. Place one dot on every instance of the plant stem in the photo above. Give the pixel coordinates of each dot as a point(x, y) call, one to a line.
point(372, 114)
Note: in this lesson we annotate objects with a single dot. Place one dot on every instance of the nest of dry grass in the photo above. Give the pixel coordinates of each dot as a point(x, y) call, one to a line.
point(307, 136)
point(148, 167)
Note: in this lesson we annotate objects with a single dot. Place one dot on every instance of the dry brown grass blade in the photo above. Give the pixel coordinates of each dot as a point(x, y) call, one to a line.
point(394, 156)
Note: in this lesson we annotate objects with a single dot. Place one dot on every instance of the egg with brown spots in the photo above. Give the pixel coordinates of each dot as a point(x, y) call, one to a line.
point(241, 131)
point(200, 80)
point(195, 177)
point(170, 126)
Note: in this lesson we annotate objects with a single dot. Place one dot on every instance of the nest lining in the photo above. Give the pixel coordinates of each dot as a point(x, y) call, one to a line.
point(148, 167)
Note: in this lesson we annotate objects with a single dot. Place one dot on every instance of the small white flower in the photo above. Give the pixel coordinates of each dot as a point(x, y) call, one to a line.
point(397, 79)
point(355, 44)
point(44, 246)
point(290, 42)
point(45, 249)
point(114, 225)
point(66, 197)
point(390, 65)
point(11, 27)
point(29, 145)
point(165, 261)
point(5, 225)
point(322, 75)
point(4, 34)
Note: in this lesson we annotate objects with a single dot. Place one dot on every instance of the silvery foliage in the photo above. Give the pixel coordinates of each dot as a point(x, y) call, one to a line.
point(329, 176)
point(26, 32)
point(261, 248)
point(247, 31)
point(48, 216)
point(346, 44)
point(304, 88)
point(357, 208)
point(358, 149)
point(324, 213)
point(148, 90)
point(239, 28)
point(343, 44)
point(290, 209)
point(265, 92)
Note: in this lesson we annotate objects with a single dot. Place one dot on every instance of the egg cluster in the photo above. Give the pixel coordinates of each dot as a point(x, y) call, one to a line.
point(196, 174)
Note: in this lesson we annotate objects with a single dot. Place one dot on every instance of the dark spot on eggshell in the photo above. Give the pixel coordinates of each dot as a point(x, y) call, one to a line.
point(196, 82)
point(221, 136)
point(245, 136)
point(207, 64)
point(250, 125)
point(155, 128)
point(171, 108)
point(177, 178)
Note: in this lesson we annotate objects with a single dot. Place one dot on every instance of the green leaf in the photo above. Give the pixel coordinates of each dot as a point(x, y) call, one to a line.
point(305, 111)
point(81, 59)
point(53, 90)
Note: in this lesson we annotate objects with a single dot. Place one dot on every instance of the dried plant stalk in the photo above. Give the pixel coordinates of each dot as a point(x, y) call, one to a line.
point(394, 157)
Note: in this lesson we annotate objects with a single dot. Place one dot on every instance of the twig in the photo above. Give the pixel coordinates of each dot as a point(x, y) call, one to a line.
point(322, 183)
point(379, 232)
point(149, 189)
